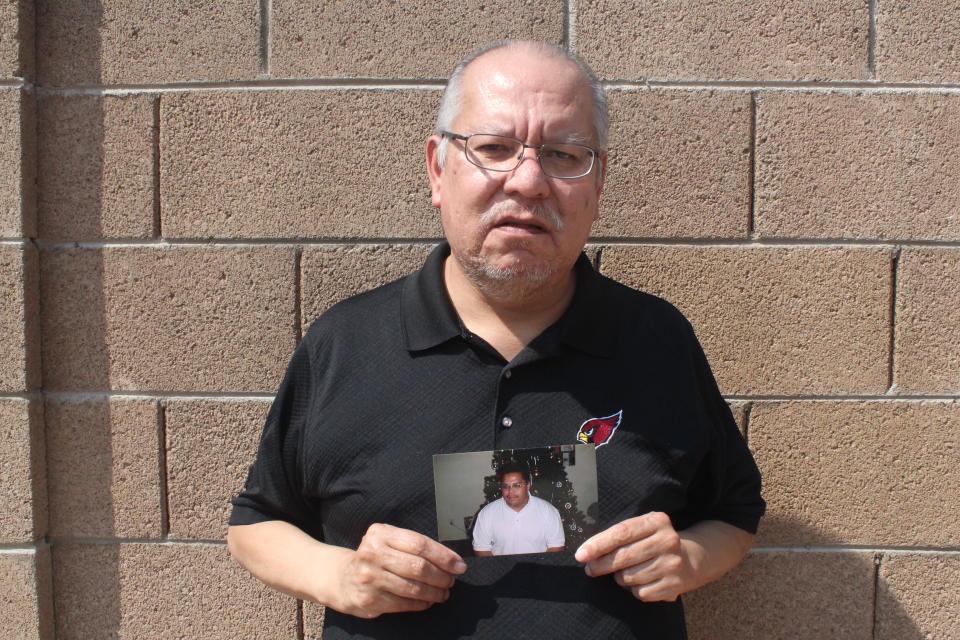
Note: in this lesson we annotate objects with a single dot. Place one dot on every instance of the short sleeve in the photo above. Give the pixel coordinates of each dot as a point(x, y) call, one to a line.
point(727, 486)
point(555, 535)
point(273, 489)
point(482, 540)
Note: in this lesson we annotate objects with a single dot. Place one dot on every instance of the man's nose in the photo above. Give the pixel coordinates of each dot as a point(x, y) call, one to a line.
point(528, 179)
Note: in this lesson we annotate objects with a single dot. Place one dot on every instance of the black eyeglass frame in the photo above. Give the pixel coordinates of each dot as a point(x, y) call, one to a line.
point(523, 146)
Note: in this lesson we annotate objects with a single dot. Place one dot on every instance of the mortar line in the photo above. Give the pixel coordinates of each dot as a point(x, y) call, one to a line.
point(299, 620)
point(15, 549)
point(258, 243)
point(157, 220)
point(877, 559)
point(15, 83)
point(297, 292)
point(163, 470)
point(166, 542)
point(752, 169)
point(237, 396)
point(263, 53)
point(437, 84)
point(872, 38)
point(901, 550)
point(569, 25)
point(14, 242)
point(892, 321)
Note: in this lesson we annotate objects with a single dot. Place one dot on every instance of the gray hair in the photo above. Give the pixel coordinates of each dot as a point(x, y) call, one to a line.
point(452, 99)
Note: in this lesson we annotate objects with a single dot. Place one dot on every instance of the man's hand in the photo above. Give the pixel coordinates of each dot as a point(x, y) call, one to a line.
point(396, 570)
point(649, 557)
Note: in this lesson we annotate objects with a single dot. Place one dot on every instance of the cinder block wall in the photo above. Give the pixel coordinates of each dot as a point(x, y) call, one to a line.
point(185, 185)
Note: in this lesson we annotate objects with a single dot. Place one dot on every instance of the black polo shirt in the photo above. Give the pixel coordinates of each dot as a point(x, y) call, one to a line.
point(386, 379)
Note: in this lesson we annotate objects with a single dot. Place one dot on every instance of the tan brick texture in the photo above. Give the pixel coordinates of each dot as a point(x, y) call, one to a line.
point(16, 38)
point(927, 347)
point(705, 40)
point(132, 42)
point(190, 318)
point(17, 193)
point(919, 596)
point(918, 41)
point(25, 601)
point(331, 274)
point(775, 320)
point(19, 370)
point(103, 469)
point(313, 621)
point(801, 596)
point(95, 167)
point(858, 166)
point(412, 39)
point(302, 164)
point(863, 473)
point(210, 445)
point(679, 165)
point(162, 591)
point(23, 498)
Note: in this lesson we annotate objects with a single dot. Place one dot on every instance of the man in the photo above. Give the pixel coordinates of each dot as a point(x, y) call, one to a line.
point(505, 339)
point(517, 522)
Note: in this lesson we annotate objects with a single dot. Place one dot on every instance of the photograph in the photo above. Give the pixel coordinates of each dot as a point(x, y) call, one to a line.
point(516, 501)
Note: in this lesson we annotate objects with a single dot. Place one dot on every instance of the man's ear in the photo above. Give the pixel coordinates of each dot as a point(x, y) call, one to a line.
point(434, 170)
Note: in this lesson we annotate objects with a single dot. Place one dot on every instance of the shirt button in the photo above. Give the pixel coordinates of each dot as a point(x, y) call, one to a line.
point(507, 421)
point(507, 373)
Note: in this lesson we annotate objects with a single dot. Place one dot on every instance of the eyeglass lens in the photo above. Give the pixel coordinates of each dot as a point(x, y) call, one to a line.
point(500, 153)
point(515, 485)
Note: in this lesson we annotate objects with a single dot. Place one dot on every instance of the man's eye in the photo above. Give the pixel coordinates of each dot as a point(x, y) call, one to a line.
point(492, 149)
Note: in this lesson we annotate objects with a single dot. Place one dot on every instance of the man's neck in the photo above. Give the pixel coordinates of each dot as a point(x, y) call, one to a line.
point(508, 317)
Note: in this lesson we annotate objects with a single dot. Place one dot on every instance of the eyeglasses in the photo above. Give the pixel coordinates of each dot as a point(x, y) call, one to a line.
point(503, 153)
point(515, 485)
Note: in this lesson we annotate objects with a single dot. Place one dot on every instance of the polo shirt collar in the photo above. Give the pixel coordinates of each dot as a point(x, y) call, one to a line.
point(429, 319)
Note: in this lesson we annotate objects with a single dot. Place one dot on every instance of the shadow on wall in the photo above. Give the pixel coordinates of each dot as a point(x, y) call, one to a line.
point(81, 464)
point(812, 592)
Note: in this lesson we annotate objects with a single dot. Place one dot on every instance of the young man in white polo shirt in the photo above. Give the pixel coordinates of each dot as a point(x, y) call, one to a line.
point(517, 522)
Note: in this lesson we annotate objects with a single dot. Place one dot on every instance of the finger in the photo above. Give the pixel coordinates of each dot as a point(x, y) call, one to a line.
point(416, 544)
point(413, 590)
point(638, 575)
point(620, 559)
point(619, 535)
point(375, 604)
point(413, 567)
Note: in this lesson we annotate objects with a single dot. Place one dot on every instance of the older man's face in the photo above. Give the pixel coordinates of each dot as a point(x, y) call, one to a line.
point(521, 224)
point(515, 490)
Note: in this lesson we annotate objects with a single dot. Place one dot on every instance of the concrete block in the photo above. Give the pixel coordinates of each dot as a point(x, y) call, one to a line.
point(412, 39)
point(179, 319)
point(917, 41)
point(858, 166)
point(103, 469)
point(679, 165)
point(96, 159)
point(23, 497)
point(927, 347)
point(775, 320)
point(18, 314)
point(860, 473)
point(16, 39)
point(161, 591)
point(210, 445)
point(25, 612)
point(120, 42)
point(919, 596)
point(313, 621)
point(301, 164)
point(796, 595)
point(17, 162)
point(331, 274)
point(705, 40)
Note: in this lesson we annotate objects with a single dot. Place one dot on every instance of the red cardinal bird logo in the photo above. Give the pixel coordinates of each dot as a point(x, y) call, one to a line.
point(598, 431)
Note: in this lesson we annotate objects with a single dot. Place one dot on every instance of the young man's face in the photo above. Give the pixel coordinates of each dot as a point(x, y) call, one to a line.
point(515, 491)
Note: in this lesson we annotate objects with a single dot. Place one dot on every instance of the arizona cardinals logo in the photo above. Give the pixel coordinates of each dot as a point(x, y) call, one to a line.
point(598, 431)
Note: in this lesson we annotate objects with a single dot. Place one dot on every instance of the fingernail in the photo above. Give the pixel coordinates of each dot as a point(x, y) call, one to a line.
point(586, 569)
point(580, 554)
point(460, 566)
